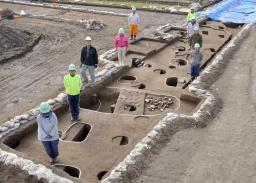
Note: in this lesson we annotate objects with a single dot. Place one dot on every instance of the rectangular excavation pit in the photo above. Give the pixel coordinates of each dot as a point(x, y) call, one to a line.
point(130, 55)
point(188, 103)
point(77, 132)
point(130, 102)
point(149, 43)
point(102, 102)
point(177, 32)
point(141, 50)
point(72, 171)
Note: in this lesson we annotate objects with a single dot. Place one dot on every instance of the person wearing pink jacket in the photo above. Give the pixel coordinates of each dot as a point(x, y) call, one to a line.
point(121, 45)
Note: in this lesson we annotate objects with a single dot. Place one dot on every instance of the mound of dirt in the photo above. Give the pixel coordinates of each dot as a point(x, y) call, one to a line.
point(15, 43)
point(6, 13)
point(12, 174)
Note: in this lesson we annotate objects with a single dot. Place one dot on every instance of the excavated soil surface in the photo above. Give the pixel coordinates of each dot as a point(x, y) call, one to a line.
point(12, 174)
point(98, 146)
point(38, 75)
point(101, 140)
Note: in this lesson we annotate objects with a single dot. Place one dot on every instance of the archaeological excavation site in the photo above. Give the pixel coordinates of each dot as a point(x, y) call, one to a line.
point(132, 119)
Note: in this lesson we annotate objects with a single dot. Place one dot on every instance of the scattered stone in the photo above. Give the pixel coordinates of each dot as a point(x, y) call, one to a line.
point(3, 128)
point(153, 102)
point(9, 124)
point(23, 121)
point(51, 101)
point(92, 24)
point(24, 116)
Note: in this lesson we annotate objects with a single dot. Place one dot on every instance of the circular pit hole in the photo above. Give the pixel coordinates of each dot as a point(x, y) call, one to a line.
point(221, 27)
point(212, 50)
point(120, 140)
point(130, 107)
point(148, 65)
point(172, 81)
point(205, 32)
point(101, 174)
point(128, 78)
point(221, 36)
point(181, 48)
point(160, 71)
point(180, 62)
point(172, 67)
point(141, 86)
point(72, 171)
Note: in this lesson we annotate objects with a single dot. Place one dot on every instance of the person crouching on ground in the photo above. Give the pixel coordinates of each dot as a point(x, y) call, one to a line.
point(196, 59)
point(89, 62)
point(121, 44)
point(72, 84)
point(133, 22)
point(47, 123)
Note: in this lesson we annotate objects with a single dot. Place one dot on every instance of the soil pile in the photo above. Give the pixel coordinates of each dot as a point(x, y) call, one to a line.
point(15, 43)
point(6, 13)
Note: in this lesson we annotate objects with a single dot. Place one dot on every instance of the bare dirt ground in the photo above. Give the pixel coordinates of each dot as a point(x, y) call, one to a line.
point(37, 76)
point(225, 150)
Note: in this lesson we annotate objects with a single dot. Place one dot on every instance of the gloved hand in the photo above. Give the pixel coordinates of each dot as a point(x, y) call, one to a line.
point(95, 66)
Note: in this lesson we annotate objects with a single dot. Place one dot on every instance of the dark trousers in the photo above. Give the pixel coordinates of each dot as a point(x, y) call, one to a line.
point(74, 105)
point(195, 70)
point(51, 147)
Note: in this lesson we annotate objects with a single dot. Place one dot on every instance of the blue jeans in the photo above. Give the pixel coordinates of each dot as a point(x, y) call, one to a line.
point(74, 105)
point(51, 147)
point(91, 70)
point(195, 70)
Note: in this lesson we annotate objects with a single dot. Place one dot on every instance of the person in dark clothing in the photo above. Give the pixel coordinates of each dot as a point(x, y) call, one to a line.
point(196, 38)
point(89, 62)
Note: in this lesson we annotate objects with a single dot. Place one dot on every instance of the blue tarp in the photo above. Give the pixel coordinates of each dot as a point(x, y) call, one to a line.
point(236, 11)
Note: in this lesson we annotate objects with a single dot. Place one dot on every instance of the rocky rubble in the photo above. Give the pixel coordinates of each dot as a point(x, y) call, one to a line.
point(158, 102)
point(38, 170)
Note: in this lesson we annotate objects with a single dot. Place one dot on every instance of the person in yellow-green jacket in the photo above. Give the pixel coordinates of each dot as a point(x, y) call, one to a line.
point(72, 84)
point(192, 14)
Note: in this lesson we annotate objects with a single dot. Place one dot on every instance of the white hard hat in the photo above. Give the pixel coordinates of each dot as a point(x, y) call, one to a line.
point(133, 8)
point(121, 31)
point(197, 45)
point(71, 67)
point(196, 28)
point(88, 38)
